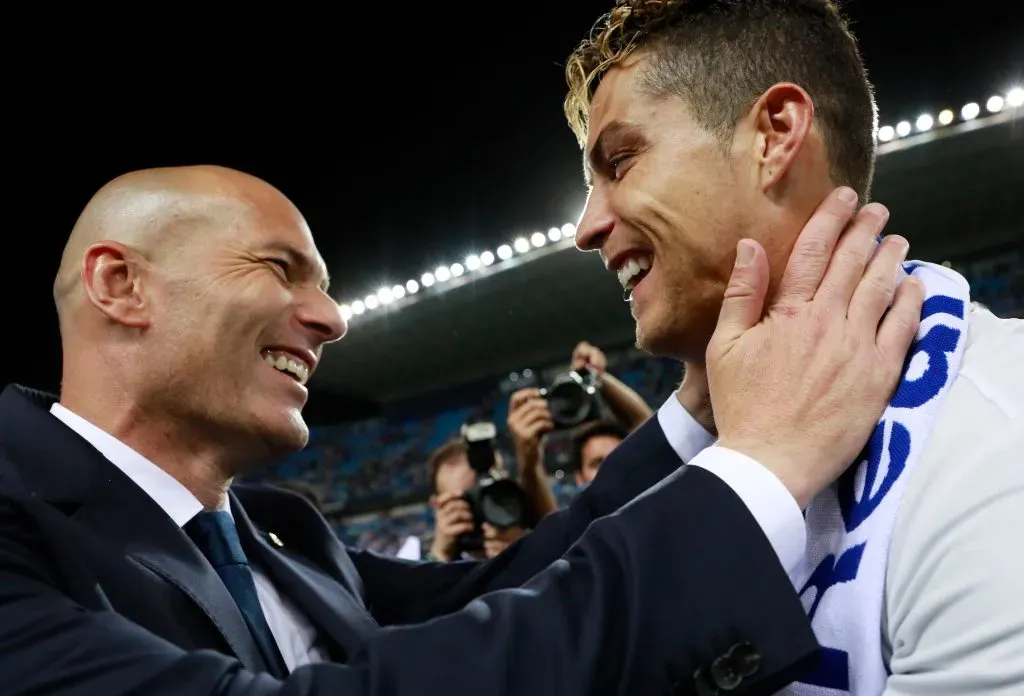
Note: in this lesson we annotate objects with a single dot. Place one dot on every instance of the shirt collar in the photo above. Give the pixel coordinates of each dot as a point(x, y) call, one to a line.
point(686, 436)
point(165, 490)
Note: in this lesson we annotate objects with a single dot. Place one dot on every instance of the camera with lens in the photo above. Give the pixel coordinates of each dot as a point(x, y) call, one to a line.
point(500, 502)
point(574, 398)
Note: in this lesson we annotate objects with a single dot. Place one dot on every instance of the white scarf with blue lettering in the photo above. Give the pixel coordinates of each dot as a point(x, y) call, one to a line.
point(850, 525)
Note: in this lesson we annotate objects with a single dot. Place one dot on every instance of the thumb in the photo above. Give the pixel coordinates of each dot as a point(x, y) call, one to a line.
point(743, 304)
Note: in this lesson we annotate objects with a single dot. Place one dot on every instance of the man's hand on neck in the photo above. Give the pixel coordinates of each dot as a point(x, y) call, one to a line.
point(695, 396)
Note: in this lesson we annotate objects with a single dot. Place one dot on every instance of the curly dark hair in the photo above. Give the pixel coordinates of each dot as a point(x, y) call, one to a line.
point(720, 56)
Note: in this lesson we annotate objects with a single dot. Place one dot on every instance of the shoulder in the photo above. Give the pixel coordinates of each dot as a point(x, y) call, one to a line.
point(973, 450)
point(981, 416)
point(271, 508)
point(267, 502)
point(950, 569)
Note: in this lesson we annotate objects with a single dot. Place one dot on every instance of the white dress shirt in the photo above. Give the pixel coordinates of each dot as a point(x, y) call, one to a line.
point(296, 637)
point(771, 503)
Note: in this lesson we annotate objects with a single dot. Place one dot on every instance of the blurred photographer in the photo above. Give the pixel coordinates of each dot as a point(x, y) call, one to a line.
point(587, 394)
point(626, 405)
point(457, 482)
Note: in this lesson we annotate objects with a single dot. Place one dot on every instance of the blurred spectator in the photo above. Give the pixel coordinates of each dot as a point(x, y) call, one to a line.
point(592, 442)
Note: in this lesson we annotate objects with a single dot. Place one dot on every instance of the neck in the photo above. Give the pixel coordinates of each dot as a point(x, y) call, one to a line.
point(694, 396)
point(183, 452)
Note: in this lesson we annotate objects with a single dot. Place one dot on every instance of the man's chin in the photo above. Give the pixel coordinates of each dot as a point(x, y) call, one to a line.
point(667, 340)
point(292, 437)
point(281, 435)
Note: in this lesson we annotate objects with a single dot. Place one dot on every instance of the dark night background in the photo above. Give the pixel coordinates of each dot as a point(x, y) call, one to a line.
point(407, 136)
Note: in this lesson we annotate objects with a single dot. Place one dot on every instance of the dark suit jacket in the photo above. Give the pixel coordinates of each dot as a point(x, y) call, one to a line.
point(101, 593)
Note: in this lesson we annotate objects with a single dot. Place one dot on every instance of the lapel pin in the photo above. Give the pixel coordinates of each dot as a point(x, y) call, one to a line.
point(276, 539)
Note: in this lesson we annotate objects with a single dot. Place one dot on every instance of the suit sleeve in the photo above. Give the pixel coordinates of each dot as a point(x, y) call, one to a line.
point(401, 592)
point(648, 596)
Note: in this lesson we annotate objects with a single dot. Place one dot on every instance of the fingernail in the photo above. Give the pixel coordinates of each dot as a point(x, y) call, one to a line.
point(847, 194)
point(744, 253)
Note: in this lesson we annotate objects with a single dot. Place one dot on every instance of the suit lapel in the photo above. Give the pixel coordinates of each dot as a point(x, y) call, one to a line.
point(325, 601)
point(62, 468)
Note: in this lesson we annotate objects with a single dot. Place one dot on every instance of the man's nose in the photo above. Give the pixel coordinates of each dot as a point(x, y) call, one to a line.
point(595, 224)
point(322, 316)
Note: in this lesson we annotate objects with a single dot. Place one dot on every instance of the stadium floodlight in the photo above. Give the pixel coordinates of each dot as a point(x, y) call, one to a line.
point(1012, 99)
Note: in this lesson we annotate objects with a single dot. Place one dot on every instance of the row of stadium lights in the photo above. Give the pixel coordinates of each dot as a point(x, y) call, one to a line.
point(925, 122)
point(442, 274)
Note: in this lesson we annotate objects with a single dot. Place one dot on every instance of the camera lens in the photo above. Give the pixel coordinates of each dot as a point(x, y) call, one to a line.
point(569, 403)
point(503, 504)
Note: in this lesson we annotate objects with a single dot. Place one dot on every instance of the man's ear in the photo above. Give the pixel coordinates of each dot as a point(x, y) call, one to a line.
point(112, 279)
point(782, 118)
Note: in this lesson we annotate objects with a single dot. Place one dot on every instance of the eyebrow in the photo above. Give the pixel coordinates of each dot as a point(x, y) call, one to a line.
point(299, 258)
point(594, 157)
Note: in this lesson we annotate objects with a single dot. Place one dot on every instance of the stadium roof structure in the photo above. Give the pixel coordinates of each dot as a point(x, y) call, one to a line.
point(952, 191)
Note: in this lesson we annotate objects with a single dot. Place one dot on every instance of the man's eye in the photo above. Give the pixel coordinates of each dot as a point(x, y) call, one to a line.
point(280, 264)
point(617, 163)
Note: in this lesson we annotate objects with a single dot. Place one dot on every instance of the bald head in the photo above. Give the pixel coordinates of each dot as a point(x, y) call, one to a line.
point(193, 306)
point(155, 211)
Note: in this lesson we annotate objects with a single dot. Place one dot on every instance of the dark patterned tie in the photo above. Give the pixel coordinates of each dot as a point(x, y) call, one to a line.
point(215, 535)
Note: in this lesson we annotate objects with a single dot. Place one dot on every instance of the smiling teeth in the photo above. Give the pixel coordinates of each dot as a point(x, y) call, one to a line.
point(283, 363)
point(632, 270)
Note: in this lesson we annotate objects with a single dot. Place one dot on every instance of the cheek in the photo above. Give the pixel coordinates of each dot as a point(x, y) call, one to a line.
point(467, 479)
point(682, 211)
point(240, 310)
